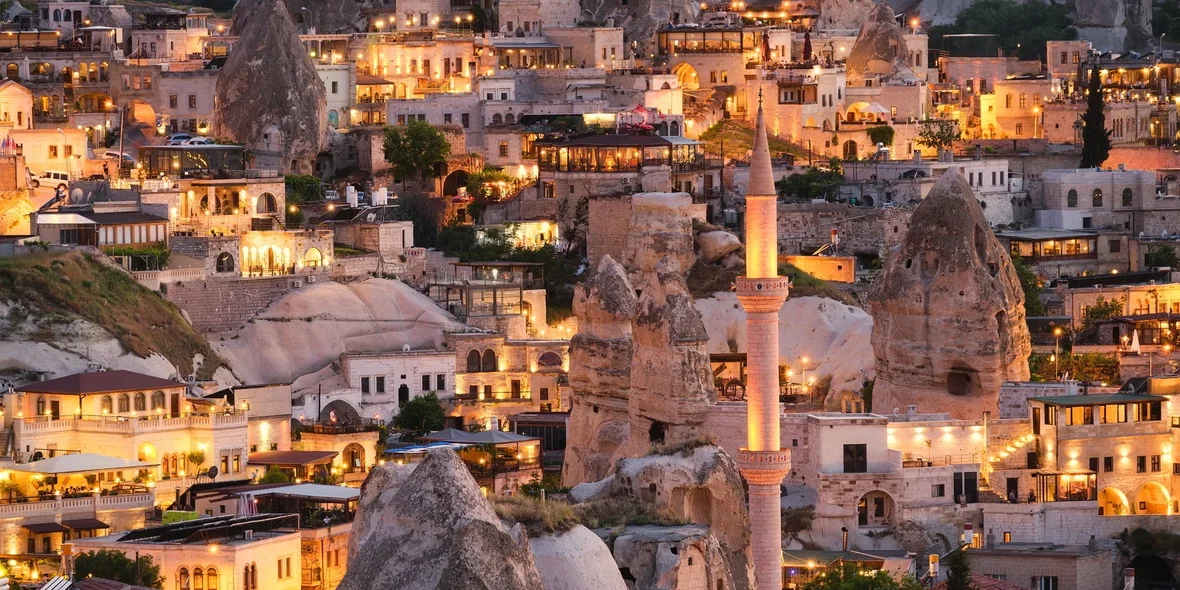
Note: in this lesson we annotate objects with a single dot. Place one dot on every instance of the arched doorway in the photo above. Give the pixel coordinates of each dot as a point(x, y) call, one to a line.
point(1152, 498)
point(453, 182)
point(850, 150)
point(403, 394)
point(12, 72)
point(875, 509)
point(140, 111)
point(313, 258)
point(549, 360)
point(1152, 573)
point(1113, 502)
point(687, 76)
point(354, 458)
point(339, 412)
point(267, 204)
point(333, 118)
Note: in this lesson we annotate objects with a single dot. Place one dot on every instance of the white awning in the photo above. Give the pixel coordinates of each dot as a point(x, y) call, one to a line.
point(313, 491)
point(63, 219)
point(79, 463)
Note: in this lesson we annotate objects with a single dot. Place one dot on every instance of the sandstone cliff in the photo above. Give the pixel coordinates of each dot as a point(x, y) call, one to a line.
point(600, 372)
point(437, 531)
point(948, 311)
point(269, 85)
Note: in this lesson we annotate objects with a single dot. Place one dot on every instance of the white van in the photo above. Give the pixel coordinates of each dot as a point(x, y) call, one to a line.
point(54, 178)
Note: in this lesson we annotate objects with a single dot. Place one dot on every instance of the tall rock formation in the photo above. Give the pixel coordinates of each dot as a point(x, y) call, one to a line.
point(600, 372)
point(661, 225)
point(269, 96)
point(671, 380)
point(948, 311)
point(880, 51)
point(843, 15)
point(437, 531)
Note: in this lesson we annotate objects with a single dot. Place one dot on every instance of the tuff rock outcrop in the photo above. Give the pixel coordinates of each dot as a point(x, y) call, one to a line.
point(270, 85)
point(436, 531)
point(701, 486)
point(639, 18)
point(671, 379)
point(948, 311)
point(600, 372)
point(661, 225)
point(658, 557)
point(1115, 25)
point(715, 245)
point(330, 16)
point(880, 51)
point(380, 487)
point(575, 560)
point(843, 15)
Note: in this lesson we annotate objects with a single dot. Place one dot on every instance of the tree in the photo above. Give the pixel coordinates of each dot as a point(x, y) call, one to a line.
point(1095, 135)
point(1162, 256)
point(196, 458)
point(114, 565)
point(939, 134)
point(1030, 283)
point(1022, 28)
point(882, 134)
point(300, 189)
point(276, 475)
point(1103, 309)
point(421, 414)
point(415, 150)
point(850, 578)
point(958, 574)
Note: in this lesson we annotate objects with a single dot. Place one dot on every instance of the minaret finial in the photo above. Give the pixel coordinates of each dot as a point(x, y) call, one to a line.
point(760, 99)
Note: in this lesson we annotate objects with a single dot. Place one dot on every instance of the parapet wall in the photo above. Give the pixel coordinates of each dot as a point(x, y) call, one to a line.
point(217, 306)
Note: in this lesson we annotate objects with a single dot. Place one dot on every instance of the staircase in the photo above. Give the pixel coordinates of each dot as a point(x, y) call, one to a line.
point(7, 438)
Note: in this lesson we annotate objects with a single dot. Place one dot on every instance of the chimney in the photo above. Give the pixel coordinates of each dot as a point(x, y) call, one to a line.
point(1129, 579)
point(1093, 544)
point(911, 410)
point(494, 423)
point(990, 540)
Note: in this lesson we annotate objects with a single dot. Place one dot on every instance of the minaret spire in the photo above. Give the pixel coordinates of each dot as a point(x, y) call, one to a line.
point(762, 293)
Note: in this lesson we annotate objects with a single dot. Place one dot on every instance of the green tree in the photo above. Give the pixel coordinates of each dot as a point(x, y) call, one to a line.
point(882, 134)
point(1162, 256)
point(1095, 135)
point(850, 578)
point(416, 150)
point(1022, 27)
point(421, 414)
point(196, 458)
point(815, 183)
point(1103, 309)
point(939, 134)
point(958, 574)
point(114, 565)
point(276, 475)
point(426, 213)
point(1030, 283)
point(300, 189)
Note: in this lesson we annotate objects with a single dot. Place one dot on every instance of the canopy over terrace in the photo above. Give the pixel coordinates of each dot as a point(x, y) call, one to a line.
point(301, 463)
point(80, 463)
point(619, 153)
point(316, 504)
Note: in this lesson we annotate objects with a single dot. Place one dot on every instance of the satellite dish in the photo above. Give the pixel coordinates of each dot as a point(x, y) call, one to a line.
point(1164, 233)
point(212, 472)
point(77, 196)
point(405, 348)
point(371, 217)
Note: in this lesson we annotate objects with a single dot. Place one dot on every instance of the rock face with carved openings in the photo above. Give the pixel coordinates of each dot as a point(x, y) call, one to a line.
point(269, 89)
point(880, 52)
point(948, 311)
point(436, 531)
point(671, 379)
point(600, 372)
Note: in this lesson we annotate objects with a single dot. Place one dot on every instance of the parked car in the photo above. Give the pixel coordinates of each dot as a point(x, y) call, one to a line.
point(198, 141)
point(52, 178)
point(178, 138)
point(114, 155)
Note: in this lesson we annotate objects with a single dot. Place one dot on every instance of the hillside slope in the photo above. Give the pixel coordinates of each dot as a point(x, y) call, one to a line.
point(70, 302)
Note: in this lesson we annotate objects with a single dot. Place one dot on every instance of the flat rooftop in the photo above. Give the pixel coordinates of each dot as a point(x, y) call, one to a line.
point(1037, 234)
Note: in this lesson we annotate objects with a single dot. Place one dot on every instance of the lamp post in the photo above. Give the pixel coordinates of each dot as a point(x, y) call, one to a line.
point(63, 150)
point(1056, 352)
point(1036, 120)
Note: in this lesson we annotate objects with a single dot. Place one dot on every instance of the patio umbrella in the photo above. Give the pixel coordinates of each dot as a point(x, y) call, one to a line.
point(1135, 341)
point(877, 109)
point(246, 504)
point(807, 46)
point(449, 435)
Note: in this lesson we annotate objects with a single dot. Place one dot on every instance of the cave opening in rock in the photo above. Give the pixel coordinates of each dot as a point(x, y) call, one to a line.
point(656, 432)
point(958, 382)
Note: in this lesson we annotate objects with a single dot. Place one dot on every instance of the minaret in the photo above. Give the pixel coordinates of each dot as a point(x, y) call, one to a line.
point(762, 292)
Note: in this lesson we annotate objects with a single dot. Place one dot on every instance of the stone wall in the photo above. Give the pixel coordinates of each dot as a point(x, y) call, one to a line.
point(804, 228)
point(1085, 572)
point(610, 222)
point(215, 306)
point(841, 269)
point(354, 268)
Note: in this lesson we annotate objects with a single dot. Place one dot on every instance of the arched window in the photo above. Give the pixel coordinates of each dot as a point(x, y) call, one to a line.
point(198, 579)
point(313, 257)
point(246, 578)
point(549, 360)
point(107, 405)
point(157, 400)
point(254, 576)
point(183, 582)
point(1097, 202)
point(66, 16)
point(510, 119)
point(1128, 197)
point(225, 262)
point(12, 72)
point(489, 361)
point(674, 129)
point(124, 403)
point(211, 579)
point(57, 15)
point(1071, 198)
point(473, 362)
point(40, 405)
point(497, 119)
point(140, 402)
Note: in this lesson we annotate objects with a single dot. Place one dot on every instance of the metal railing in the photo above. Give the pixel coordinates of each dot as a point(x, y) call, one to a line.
point(364, 425)
point(941, 461)
point(496, 397)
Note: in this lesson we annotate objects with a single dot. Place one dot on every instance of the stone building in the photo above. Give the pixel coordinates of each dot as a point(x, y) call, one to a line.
point(1041, 565)
point(499, 376)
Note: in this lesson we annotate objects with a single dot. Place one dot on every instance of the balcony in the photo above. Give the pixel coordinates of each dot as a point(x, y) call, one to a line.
point(942, 461)
point(85, 505)
point(129, 425)
point(496, 397)
point(365, 425)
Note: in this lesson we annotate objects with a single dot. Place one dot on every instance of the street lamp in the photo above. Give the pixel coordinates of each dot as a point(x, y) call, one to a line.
point(1036, 119)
